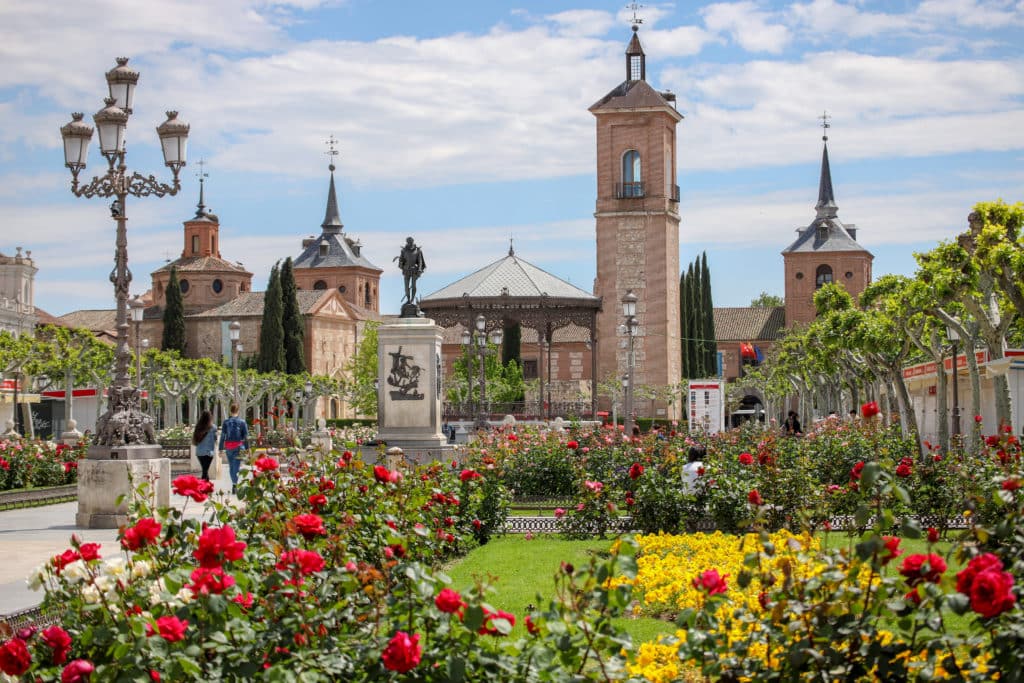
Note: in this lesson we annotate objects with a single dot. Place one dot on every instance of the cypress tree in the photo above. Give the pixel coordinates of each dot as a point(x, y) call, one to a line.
point(696, 327)
point(512, 338)
point(710, 345)
point(272, 330)
point(292, 322)
point(684, 327)
point(174, 317)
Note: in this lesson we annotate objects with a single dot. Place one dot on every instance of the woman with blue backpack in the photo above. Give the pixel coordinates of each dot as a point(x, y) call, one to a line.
point(234, 439)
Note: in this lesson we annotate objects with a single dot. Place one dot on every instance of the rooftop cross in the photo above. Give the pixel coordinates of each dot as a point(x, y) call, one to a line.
point(825, 125)
point(635, 6)
point(332, 150)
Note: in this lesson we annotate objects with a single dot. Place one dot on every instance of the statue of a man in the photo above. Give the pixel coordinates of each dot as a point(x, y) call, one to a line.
point(412, 265)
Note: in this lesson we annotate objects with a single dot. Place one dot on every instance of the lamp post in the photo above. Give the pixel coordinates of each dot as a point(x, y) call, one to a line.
point(123, 423)
point(629, 328)
point(467, 340)
point(138, 309)
point(308, 395)
point(954, 337)
point(235, 331)
point(481, 337)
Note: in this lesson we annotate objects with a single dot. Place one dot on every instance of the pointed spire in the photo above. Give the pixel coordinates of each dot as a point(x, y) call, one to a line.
point(826, 206)
point(200, 207)
point(332, 219)
point(511, 250)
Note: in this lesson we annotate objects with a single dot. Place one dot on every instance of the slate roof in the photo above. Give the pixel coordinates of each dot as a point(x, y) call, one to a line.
point(206, 264)
point(752, 323)
point(516, 278)
point(341, 250)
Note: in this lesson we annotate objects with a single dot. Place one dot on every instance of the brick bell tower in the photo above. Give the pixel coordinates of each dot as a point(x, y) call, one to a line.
point(637, 220)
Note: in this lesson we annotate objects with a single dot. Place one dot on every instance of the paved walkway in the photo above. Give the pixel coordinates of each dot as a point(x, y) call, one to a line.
point(31, 536)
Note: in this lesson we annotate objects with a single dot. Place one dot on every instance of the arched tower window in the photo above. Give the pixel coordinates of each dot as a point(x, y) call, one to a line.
point(366, 298)
point(822, 276)
point(632, 182)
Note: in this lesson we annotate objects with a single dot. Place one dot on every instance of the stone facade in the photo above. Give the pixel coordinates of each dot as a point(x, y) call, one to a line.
point(17, 293)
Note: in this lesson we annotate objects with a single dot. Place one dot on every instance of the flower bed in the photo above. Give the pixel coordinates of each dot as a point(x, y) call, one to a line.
point(30, 464)
point(328, 572)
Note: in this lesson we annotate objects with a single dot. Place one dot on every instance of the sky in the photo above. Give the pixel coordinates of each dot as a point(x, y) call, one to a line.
point(465, 124)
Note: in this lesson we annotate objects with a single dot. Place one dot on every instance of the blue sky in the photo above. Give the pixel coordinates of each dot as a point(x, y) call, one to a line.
point(465, 123)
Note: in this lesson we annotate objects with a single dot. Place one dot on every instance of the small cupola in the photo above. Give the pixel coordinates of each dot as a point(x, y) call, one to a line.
point(635, 65)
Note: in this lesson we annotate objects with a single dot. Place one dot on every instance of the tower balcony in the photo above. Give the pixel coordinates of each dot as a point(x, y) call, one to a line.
point(629, 190)
point(675, 194)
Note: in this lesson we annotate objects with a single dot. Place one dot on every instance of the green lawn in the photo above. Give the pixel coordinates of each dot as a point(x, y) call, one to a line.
point(522, 569)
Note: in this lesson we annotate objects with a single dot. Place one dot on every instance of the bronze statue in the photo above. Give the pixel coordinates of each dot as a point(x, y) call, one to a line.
point(412, 265)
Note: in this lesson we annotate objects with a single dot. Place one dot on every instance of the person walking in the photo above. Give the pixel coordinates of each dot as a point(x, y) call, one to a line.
point(234, 439)
point(204, 438)
point(792, 426)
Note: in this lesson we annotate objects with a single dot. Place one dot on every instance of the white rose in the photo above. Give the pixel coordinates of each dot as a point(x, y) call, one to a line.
point(141, 569)
point(91, 595)
point(75, 573)
point(116, 567)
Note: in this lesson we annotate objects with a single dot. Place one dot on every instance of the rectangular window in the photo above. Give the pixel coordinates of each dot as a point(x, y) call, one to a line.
point(529, 369)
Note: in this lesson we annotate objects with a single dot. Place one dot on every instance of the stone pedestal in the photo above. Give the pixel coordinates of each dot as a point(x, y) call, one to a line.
point(102, 482)
point(72, 436)
point(410, 391)
point(321, 439)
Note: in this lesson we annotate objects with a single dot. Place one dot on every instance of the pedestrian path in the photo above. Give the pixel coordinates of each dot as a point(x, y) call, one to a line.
point(31, 536)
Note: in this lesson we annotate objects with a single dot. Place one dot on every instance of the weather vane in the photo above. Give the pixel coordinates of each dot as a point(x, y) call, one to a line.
point(635, 6)
point(202, 175)
point(825, 125)
point(332, 150)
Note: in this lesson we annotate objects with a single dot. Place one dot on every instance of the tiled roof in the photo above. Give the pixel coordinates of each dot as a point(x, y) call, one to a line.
point(753, 323)
point(95, 320)
point(514, 277)
point(835, 238)
point(341, 251)
point(202, 264)
point(631, 95)
point(251, 304)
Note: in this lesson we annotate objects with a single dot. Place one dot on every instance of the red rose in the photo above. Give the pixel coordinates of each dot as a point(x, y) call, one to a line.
point(933, 535)
point(746, 459)
point(977, 419)
point(265, 464)
point(170, 628)
point(402, 653)
point(477, 524)
point(145, 531)
point(448, 601)
point(382, 474)
point(309, 525)
point(572, 445)
point(981, 563)
point(317, 501)
point(869, 409)
point(531, 627)
point(466, 475)
point(913, 596)
point(306, 561)
point(217, 545)
point(14, 657)
point(919, 568)
point(892, 547)
point(191, 486)
point(58, 640)
point(77, 671)
point(488, 628)
point(1011, 485)
point(905, 468)
point(89, 551)
point(243, 599)
point(711, 582)
point(755, 498)
point(397, 549)
point(210, 581)
point(856, 470)
point(765, 459)
point(64, 559)
point(992, 593)
point(154, 675)
point(635, 470)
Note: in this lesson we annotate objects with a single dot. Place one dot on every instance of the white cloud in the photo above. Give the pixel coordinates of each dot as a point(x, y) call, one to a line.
point(822, 21)
point(747, 25)
point(973, 13)
point(582, 22)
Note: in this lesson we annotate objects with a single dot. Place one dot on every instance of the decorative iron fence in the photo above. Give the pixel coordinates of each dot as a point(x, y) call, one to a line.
point(521, 410)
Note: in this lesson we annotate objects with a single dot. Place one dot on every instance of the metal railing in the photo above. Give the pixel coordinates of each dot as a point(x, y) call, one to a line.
point(629, 190)
point(521, 410)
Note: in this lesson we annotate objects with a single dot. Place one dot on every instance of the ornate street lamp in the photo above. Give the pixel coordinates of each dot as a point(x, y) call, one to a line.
point(235, 332)
point(123, 423)
point(954, 337)
point(307, 392)
point(481, 350)
point(138, 310)
point(629, 328)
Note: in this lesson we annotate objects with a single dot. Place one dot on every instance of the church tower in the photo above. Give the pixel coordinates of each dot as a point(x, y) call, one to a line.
point(825, 251)
point(637, 221)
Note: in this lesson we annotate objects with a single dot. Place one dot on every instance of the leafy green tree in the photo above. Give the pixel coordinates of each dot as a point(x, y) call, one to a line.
point(292, 322)
point(361, 372)
point(174, 317)
point(766, 300)
point(272, 356)
point(72, 356)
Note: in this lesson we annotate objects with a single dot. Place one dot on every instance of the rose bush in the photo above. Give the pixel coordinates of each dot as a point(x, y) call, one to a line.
point(25, 463)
